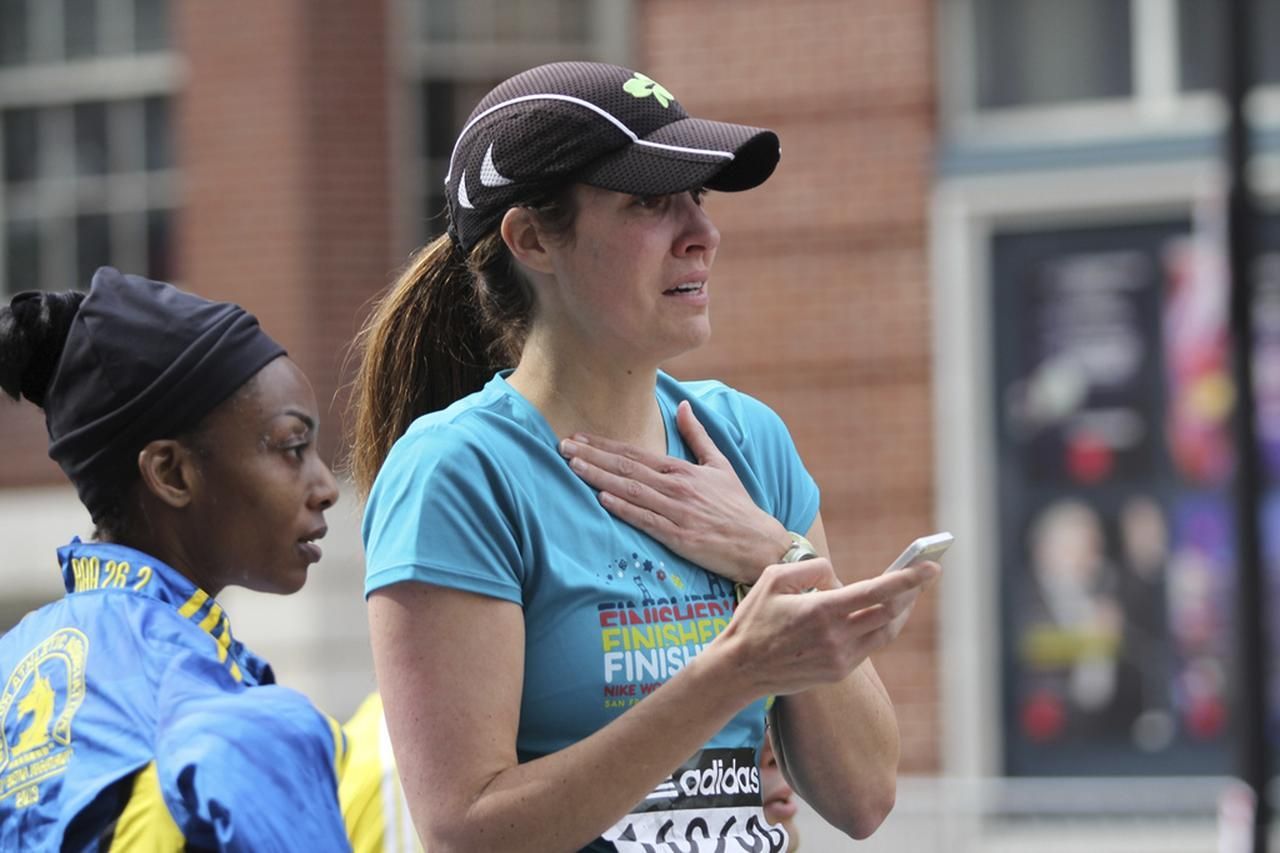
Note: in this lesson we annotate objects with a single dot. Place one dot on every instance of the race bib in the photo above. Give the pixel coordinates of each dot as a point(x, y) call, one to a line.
point(710, 804)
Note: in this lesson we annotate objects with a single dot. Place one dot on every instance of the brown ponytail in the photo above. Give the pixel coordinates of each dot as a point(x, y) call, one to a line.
point(423, 347)
point(439, 333)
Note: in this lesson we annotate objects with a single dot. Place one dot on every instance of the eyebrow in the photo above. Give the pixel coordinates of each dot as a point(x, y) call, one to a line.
point(306, 419)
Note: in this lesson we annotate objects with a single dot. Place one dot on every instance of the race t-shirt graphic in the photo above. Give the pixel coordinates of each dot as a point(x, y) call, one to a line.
point(710, 803)
point(646, 640)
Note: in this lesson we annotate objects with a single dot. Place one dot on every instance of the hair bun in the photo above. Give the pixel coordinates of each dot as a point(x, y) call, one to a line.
point(33, 332)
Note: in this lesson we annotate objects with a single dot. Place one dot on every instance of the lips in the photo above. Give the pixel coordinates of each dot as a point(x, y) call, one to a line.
point(690, 287)
point(693, 287)
point(781, 808)
point(308, 547)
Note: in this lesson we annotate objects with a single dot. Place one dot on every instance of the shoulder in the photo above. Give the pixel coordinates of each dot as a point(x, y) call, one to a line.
point(476, 447)
point(128, 628)
point(714, 401)
point(472, 431)
point(438, 461)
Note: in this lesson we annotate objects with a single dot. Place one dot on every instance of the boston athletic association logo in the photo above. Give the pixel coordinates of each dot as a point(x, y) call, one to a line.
point(39, 700)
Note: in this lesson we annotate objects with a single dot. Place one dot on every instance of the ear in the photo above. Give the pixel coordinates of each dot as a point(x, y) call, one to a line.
point(520, 233)
point(169, 471)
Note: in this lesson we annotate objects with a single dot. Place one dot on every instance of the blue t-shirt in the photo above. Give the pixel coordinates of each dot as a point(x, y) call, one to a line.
point(477, 497)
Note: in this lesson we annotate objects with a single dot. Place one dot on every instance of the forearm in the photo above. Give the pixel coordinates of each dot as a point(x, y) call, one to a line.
point(593, 783)
point(838, 745)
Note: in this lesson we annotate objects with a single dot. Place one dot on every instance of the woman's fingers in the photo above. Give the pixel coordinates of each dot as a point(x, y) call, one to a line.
point(704, 449)
point(702, 512)
point(617, 456)
point(885, 587)
point(613, 467)
point(622, 477)
point(811, 637)
point(803, 576)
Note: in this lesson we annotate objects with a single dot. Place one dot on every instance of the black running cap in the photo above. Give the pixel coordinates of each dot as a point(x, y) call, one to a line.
point(599, 124)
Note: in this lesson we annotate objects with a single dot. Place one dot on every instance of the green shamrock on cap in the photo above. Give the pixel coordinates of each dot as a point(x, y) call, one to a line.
point(641, 86)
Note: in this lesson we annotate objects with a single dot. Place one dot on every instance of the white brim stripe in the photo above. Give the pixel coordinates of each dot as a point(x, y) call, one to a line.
point(728, 155)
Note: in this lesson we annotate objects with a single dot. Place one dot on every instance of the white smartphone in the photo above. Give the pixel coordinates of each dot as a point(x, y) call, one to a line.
point(925, 548)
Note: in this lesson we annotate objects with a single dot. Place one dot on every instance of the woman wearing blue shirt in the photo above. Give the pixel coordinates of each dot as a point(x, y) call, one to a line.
point(554, 677)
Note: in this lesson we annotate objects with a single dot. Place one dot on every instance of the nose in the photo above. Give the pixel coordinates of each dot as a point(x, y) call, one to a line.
point(700, 234)
point(324, 493)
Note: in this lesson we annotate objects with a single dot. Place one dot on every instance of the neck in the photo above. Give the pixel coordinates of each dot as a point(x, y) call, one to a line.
point(593, 396)
point(155, 535)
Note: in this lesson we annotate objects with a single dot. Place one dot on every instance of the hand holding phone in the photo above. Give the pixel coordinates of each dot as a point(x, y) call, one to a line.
point(925, 548)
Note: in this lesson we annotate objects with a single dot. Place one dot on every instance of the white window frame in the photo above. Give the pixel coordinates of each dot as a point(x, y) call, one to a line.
point(1157, 107)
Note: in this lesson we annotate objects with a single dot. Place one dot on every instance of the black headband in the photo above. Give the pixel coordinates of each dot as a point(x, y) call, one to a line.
point(143, 360)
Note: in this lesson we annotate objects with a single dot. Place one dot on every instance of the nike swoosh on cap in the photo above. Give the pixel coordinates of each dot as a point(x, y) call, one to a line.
point(489, 174)
point(462, 192)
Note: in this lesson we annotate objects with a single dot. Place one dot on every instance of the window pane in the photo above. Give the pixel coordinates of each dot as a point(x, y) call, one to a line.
point(91, 139)
point(554, 20)
point(150, 25)
point(445, 107)
point(1031, 51)
point(159, 134)
point(22, 255)
point(13, 32)
point(80, 27)
point(486, 20)
point(160, 245)
point(439, 20)
point(437, 118)
point(93, 244)
point(1201, 26)
point(21, 145)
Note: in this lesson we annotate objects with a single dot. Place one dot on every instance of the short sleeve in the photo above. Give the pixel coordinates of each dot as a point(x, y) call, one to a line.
point(779, 463)
point(760, 447)
point(440, 512)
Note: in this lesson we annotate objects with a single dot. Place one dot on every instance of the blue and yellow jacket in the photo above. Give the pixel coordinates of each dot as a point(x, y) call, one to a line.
point(130, 719)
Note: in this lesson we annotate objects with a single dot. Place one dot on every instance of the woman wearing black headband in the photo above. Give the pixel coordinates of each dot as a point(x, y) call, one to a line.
point(129, 713)
point(555, 678)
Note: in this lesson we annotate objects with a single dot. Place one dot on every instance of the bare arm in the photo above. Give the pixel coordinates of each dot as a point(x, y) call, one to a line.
point(452, 695)
point(838, 743)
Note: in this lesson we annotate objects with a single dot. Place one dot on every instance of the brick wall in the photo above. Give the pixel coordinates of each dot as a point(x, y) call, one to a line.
point(820, 294)
point(284, 141)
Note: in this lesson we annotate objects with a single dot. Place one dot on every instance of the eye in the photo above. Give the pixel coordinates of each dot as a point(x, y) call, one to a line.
point(650, 202)
point(298, 451)
point(698, 195)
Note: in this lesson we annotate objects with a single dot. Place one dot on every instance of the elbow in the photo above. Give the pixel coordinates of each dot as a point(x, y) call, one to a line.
point(449, 841)
point(870, 810)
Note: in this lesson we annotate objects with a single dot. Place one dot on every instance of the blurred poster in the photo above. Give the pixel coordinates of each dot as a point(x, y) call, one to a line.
point(1113, 401)
point(1084, 340)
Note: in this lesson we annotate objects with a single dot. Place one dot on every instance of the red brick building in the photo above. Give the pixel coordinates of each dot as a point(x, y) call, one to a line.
point(289, 138)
